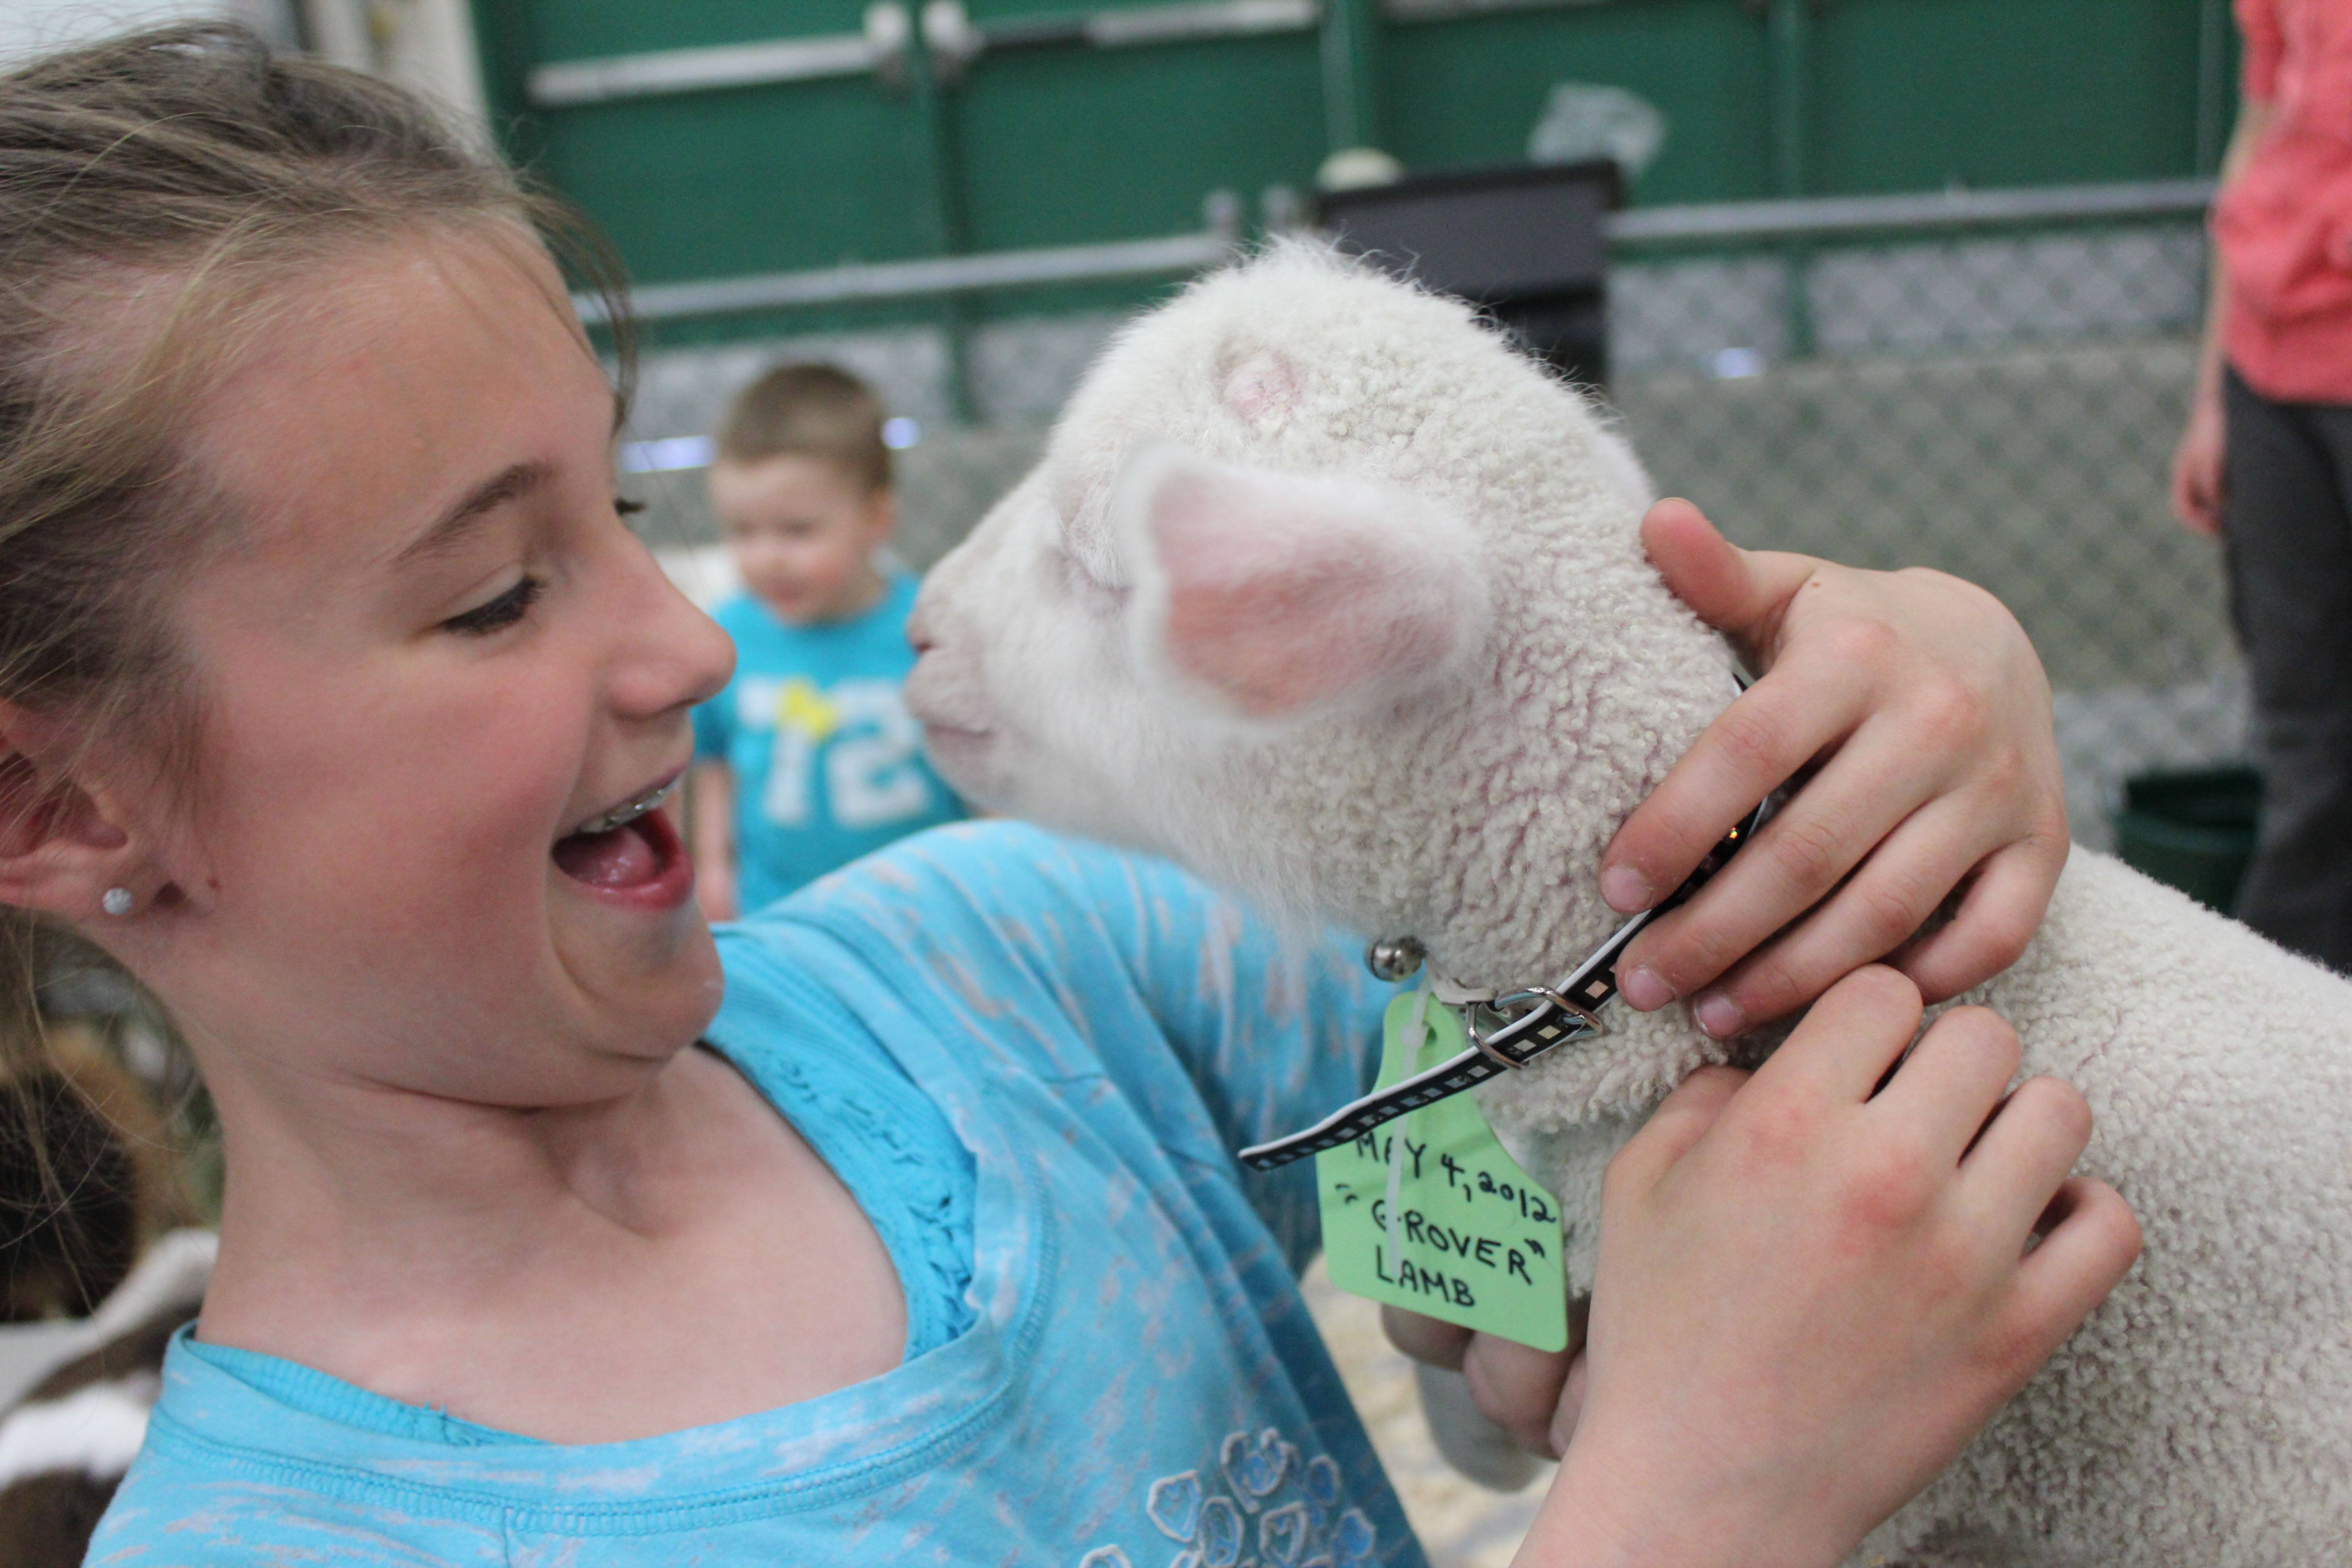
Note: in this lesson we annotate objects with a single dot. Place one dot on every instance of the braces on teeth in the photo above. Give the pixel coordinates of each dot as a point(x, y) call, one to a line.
point(627, 812)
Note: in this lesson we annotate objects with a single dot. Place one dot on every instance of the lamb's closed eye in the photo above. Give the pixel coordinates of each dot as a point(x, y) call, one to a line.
point(1097, 597)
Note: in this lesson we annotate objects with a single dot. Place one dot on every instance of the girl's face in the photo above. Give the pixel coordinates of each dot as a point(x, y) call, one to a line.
point(429, 652)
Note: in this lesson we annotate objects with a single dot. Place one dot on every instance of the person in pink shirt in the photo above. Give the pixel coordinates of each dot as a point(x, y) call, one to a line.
point(2266, 460)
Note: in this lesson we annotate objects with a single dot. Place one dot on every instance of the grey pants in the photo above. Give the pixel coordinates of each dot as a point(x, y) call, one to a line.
point(2287, 532)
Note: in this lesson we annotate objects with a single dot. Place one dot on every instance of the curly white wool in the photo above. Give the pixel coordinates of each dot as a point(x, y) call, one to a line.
point(1326, 593)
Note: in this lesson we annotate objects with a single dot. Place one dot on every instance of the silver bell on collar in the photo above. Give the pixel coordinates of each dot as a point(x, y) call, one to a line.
point(1392, 957)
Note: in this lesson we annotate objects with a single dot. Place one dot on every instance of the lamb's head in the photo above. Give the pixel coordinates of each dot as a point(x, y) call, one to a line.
point(1324, 592)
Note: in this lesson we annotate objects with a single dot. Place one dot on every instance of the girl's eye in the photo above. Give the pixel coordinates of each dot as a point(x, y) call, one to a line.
point(625, 507)
point(500, 612)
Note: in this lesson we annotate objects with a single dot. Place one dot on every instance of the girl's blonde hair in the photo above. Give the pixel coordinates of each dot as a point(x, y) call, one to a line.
point(156, 190)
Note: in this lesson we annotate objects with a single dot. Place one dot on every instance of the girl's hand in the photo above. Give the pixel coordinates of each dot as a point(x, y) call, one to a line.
point(1919, 702)
point(2197, 468)
point(1810, 1297)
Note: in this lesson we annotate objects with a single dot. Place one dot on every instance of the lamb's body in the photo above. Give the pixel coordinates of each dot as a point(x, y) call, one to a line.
point(2204, 1414)
point(1121, 657)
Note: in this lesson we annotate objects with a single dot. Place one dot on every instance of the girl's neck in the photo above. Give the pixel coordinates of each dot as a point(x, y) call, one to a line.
point(349, 1190)
point(506, 1266)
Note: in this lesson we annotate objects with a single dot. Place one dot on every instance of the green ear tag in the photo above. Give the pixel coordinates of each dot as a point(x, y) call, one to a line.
point(1428, 1213)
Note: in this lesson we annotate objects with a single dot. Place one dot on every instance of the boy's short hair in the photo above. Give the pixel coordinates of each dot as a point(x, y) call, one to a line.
point(809, 411)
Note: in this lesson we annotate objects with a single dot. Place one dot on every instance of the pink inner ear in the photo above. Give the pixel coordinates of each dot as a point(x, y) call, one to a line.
point(1264, 386)
point(1284, 594)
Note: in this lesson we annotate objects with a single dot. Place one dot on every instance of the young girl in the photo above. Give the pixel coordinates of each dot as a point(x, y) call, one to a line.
point(338, 703)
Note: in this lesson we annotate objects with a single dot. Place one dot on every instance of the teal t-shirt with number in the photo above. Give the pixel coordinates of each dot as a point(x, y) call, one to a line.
point(828, 763)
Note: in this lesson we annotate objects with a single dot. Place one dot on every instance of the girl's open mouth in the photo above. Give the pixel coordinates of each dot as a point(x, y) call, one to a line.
point(631, 850)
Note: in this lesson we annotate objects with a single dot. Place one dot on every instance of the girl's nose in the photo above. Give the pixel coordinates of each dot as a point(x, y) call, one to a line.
point(674, 654)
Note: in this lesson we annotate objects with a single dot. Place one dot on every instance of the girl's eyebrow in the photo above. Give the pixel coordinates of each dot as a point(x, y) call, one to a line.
point(509, 484)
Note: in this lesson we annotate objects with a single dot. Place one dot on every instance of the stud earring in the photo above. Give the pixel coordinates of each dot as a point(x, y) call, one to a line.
point(117, 901)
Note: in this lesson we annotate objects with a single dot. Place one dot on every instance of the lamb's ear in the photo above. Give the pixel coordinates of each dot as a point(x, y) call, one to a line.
point(1272, 595)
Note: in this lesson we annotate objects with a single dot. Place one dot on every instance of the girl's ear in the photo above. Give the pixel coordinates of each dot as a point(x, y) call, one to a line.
point(1270, 597)
point(59, 851)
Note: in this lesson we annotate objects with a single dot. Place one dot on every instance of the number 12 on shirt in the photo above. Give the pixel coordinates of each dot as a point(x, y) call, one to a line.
point(1430, 1213)
point(868, 743)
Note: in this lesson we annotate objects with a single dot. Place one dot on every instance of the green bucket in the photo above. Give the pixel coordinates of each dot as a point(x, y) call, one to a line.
point(2192, 829)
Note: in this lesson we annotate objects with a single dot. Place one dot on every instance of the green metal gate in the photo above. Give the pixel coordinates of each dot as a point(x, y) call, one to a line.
point(727, 138)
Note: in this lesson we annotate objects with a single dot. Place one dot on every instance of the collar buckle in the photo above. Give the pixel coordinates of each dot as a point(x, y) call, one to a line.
point(1506, 1031)
point(1517, 1026)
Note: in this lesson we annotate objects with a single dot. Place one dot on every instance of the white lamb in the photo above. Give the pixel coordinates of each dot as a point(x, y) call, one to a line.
point(1324, 592)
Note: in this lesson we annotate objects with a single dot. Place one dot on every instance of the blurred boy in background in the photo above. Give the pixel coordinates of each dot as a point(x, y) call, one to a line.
point(807, 760)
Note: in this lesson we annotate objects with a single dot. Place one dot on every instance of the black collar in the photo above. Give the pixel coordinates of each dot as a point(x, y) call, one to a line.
point(1506, 1032)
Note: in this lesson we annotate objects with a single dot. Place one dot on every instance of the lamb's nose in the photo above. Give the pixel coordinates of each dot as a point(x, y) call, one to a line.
point(919, 631)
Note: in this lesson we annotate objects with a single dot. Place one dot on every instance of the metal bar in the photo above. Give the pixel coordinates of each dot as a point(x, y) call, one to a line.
point(1713, 222)
point(569, 82)
point(1789, 24)
point(564, 83)
point(1140, 24)
point(1350, 106)
point(943, 163)
point(1009, 33)
point(917, 279)
point(2212, 83)
point(1197, 19)
point(1819, 216)
point(803, 60)
point(1455, 10)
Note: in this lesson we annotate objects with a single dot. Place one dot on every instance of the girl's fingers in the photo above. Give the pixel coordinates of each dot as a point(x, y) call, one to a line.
point(1571, 1402)
point(1775, 728)
point(1743, 594)
point(1675, 1128)
point(1431, 1340)
point(1845, 1044)
point(2023, 1156)
point(1997, 918)
point(1517, 1388)
point(1879, 908)
point(1702, 568)
point(1952, 1081)
point(2090, 1241)
point(1910, 693)
point(1846, 818)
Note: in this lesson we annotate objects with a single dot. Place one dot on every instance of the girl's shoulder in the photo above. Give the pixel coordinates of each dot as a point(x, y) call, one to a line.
point(1049, 958)
point(989, 873)
point(971, 914)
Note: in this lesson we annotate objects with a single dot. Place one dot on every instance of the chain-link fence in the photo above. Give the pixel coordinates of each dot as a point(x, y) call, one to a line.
point(2002, 408)
point(2000, 404)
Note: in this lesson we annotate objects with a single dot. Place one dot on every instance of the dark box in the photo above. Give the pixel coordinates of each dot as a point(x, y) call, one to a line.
point(1525, 243)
